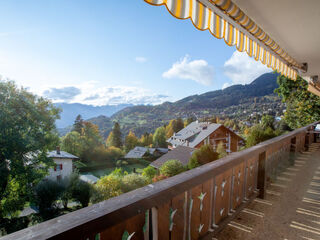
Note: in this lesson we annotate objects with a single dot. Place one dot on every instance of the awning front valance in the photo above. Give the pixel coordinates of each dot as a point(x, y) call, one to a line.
point(250, 38)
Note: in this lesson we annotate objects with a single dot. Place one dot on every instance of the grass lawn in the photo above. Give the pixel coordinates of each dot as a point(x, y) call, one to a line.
point(129, 168)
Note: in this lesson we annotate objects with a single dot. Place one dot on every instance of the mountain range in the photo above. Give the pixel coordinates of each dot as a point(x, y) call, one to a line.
point(237, 101)
point(71, 110)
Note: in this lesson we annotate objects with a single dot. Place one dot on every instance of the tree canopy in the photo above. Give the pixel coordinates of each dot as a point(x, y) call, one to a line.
point(303, 107)
point(27, 132)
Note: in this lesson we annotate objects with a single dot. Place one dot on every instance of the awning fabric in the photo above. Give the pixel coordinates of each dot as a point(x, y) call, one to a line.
point(203, 18)
point(314, 89)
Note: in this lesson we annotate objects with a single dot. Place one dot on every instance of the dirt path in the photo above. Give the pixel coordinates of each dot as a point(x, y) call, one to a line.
point(291, 209)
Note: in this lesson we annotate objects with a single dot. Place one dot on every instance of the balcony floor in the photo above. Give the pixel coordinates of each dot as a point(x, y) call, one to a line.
point(291, 209)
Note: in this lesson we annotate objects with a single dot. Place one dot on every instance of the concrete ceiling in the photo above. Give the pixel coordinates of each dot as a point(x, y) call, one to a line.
point(293, 24)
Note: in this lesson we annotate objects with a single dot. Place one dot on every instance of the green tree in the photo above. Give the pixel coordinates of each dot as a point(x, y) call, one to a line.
point(257, 134)
point(159, 138)
point(78, 124)
point(202, 156)
point(221, 150)
point(131, 141)
point(91, 141)
point(27, 132)
point(171, 168)
point(303, 107)
point(267, 121)
point(146, 139)
point(71, 143)
point(115, 137)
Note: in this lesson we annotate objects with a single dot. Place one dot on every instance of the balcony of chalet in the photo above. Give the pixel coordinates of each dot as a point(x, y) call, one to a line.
point(269, 191)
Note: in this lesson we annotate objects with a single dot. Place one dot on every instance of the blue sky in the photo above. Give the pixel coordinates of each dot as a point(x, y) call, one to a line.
point(109, 52)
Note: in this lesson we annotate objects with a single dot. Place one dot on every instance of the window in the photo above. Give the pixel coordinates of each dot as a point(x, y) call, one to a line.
point(58, 167)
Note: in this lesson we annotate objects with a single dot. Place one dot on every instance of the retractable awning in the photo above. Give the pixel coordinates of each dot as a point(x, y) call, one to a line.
point(226, 20)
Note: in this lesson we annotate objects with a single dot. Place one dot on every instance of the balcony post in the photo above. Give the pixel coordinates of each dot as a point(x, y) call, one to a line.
point(261, 184)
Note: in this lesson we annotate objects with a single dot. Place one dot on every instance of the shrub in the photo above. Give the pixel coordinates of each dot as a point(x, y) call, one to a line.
point(149, 172)
point(193, 163)
point(107, 187)
point(203, 155)
point(171, 168)
point(221, 150)
point(159, 178)
point(133, 181)
point(46, 194)
point(81, 192)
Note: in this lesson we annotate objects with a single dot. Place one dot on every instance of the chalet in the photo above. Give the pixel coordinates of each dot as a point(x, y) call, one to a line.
point(197, 134)
point(143, 152)
point(63, 164)
point(180, 153)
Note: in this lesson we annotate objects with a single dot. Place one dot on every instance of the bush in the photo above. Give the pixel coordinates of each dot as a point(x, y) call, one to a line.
point(221, 150)
point(107, 187)
point(159, 178)
point(171, 168)
point(81, 192)
point(202, 156)
point(149, 172)
point(257, 135)
point(133, 181)
point(193, 163)
point(46, 194)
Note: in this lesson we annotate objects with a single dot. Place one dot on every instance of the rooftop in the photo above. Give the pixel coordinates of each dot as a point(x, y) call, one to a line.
point(180, 153)
point(61, 154)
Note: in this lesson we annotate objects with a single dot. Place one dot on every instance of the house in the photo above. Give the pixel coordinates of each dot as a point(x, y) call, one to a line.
point(143, 152)
point(64, 164)
point(198, 133)
point(180, 153)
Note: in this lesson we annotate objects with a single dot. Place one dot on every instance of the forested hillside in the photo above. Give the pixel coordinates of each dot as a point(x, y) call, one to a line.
point(238, 101)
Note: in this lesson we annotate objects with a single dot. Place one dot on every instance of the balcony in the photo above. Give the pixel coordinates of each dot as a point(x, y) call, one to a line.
point(269, 191)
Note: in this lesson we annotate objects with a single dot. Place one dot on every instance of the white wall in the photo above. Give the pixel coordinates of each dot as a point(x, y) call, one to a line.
point(66, 169)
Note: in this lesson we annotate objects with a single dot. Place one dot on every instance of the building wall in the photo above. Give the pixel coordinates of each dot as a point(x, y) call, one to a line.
point(220, 133)
point(66, 169)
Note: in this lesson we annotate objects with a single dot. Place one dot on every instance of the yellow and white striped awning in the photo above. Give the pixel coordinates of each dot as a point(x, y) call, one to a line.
point(248, 36)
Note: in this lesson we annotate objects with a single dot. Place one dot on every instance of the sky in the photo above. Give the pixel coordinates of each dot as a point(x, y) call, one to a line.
point(111, 52)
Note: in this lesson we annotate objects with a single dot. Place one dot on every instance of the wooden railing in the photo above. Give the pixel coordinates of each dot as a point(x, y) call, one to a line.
point(194, 204)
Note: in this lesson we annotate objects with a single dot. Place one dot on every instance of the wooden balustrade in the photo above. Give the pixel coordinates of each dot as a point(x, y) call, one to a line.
point(192, 205)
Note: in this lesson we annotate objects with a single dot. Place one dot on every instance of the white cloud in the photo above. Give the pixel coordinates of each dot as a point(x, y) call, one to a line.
point(90, 93)
point(242, 69)
point(140, 59)
point(197, 70)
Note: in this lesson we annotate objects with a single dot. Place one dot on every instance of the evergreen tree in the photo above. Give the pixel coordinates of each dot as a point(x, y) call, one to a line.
point(78, 124)
point(115, 137)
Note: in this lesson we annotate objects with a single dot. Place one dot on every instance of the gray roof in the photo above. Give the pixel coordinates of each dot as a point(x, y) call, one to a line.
point(54, 154)
point(139, 152)
point(89, 178)
point(193, 134)
point(181, 153)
